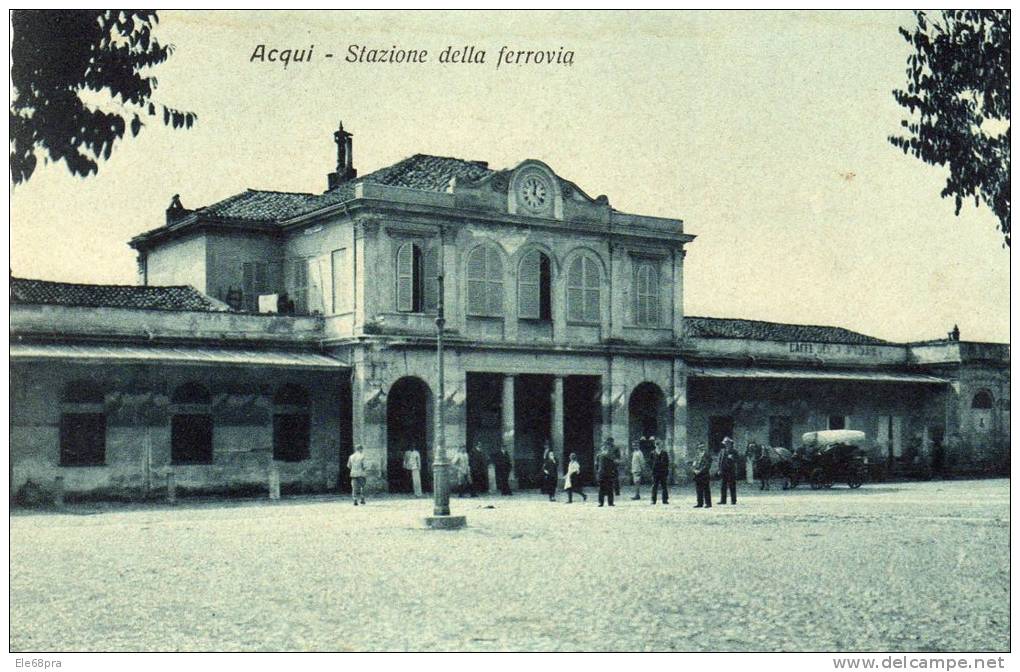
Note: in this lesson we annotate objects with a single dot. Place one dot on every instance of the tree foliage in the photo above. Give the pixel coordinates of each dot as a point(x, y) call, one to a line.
point(57, 59)
point(958, 97)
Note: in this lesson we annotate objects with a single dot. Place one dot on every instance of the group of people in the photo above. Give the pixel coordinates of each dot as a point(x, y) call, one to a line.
point(465, 464)
point(467, 467)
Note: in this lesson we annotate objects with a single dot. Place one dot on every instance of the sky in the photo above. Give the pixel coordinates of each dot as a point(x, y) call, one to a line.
point(765, 132)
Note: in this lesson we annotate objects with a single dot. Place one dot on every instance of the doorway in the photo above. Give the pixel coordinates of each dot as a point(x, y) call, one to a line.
point(582, 421)
point(408, 425)
point(719, 427)
point(532, 426)
point(484, 422)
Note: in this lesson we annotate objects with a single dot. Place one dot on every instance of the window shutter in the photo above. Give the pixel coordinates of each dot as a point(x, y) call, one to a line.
point(477, 299)
point(575, 290)
point(494, 277)
point(339, 270)
point(431, 271)
point(405, 277)
point(653, 296)
point(592, 283)
point(248, 286)
point(528, 286)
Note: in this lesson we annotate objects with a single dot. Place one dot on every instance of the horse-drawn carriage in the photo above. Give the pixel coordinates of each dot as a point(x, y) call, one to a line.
point(824, 458)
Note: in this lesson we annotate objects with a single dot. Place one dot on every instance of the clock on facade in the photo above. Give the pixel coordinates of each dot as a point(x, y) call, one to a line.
point(534, 192)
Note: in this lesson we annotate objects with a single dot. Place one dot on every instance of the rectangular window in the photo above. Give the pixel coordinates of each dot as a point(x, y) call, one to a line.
point(259, 278)
point(781, 431)
point(341, 286)
point(82, 439)
point(646, 294)
point(837, 422)
point(298, 285)
point(290, 437)
point(191, 439)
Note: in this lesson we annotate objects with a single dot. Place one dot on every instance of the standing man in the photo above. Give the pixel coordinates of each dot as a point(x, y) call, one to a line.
point(637, 470)
point(501, 461)
point(607, 472)
point(728, 471)
point(412, 462)
point(356, 465)
point(477, 468)
point(702, 465)
point(614, 452)
point(660, 473)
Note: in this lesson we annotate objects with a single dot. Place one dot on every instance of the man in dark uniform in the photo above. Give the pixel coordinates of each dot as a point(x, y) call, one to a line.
point(606, 472)
point(702, 465)
point(477, 469)
point(501, 462)
point(728, 471)
point(660, 473)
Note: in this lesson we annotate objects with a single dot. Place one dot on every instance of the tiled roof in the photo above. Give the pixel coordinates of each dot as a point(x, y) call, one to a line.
point(260, 205)
point(182, 297)
point(421, 171)
point(717, 327)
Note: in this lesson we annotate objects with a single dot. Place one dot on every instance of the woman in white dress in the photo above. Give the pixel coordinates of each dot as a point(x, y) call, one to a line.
point(572, 482)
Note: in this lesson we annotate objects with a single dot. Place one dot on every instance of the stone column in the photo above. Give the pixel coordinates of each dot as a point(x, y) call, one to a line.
point(368, 412)
point(557, 422)
point(682, 451)
point(509, 437)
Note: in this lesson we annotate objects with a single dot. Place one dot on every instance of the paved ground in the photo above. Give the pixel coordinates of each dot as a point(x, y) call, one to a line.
point(888, 567)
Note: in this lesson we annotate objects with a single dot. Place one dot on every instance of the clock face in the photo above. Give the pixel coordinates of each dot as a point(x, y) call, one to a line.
point(534, 191)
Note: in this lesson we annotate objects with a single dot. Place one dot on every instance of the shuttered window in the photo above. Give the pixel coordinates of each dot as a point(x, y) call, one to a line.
point(583, 290)
point(646, 295)
point(416, 278)
point(431, 272)
point(485, 282)
point(299, 285)
point(407, 255)
point(341, 285)
point(529, 285)
point(533, 287)
point(258, 278)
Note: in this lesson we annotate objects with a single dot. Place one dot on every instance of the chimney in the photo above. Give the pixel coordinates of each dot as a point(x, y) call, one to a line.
point(344, 159)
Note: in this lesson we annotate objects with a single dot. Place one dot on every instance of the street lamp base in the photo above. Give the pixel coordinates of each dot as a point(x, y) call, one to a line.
point(445, 522)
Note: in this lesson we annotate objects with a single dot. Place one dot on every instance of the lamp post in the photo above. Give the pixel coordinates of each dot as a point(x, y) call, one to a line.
point(441, 518)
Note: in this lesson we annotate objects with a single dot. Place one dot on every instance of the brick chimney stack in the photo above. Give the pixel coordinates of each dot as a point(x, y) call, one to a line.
point(344, 159)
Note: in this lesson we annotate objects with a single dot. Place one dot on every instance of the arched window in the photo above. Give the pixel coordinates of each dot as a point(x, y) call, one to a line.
point(291, 424)
point(416, 278)
point(646, 295)
point(981, 411)
point(191, 426)
point(534, 282)
point(485, 282)
point(82, 425)
point(982, 400)
point(584, 280)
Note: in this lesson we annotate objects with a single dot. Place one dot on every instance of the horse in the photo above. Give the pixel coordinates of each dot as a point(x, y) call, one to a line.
point(762, 461)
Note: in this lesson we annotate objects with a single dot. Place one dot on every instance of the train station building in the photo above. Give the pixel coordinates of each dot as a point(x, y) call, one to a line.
point(273, 331)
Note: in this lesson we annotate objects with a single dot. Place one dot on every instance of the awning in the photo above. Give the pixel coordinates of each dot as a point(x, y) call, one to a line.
point(138, 354)
point(762, 373)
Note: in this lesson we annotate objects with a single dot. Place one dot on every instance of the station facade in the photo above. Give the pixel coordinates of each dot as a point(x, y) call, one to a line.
point(273, 331)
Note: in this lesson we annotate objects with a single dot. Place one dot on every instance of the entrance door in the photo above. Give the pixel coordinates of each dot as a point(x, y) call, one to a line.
point(484, 422)
point(532, 427)
point(581, 420)
point(407, 425)
point(719, 427)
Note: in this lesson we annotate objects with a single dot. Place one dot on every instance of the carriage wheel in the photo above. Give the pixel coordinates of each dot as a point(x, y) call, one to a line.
point(856, 479)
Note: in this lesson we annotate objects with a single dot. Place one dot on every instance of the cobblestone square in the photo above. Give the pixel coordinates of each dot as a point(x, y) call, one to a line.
point(902, 566)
